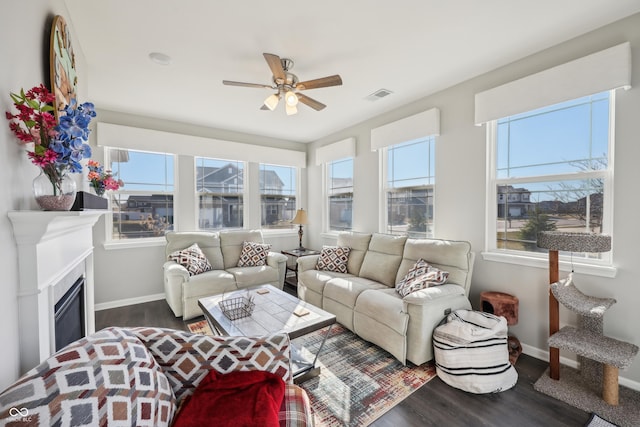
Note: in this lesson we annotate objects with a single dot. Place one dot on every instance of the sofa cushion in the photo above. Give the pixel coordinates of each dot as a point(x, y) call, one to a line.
point(449, 255)
point(421, 276)
point(192, 259)
point(209, 283)
point(252, 276)
point(359, 243)
point(346, 290)
point(316, 279)
point(333, 258)
point(231, 244)
point(253, 254)
point(108, 378)
point(208, 242)
point(383, 258)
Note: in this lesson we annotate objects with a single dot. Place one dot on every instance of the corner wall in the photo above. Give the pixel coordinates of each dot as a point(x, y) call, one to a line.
point(25, 27)
point(460, 192)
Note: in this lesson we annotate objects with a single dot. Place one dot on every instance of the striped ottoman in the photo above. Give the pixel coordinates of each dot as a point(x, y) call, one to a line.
point(471, 352)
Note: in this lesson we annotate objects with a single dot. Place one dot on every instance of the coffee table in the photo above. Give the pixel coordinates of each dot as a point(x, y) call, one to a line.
point(275, 311)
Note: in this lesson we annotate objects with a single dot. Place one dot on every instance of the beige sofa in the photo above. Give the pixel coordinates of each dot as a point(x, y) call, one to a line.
point(222, 249)
point(365, 301)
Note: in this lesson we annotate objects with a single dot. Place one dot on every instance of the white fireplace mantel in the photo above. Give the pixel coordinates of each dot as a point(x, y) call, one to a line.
point(51, 245)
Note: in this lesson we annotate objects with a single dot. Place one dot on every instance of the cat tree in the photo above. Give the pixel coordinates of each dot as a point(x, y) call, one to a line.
point(600, 357)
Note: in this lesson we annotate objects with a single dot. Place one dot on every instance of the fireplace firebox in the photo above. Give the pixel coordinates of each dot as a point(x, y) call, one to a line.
point(69, 315)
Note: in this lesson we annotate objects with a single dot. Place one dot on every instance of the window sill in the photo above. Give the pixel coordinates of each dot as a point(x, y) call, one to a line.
point(136, 243)
point(540, 262)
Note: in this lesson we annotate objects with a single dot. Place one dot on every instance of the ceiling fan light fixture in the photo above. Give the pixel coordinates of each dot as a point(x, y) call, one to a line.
point(291, 110)
point(272, 101)
point(291, 99)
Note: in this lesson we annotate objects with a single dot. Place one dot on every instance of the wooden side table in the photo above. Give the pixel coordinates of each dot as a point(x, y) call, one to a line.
point(295, 254)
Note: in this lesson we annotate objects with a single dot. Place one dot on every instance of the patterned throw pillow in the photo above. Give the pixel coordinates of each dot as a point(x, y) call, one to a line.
point(192, 259)
point(108, 378)
point(421, 276)
point(253, 254)
point(333, 258)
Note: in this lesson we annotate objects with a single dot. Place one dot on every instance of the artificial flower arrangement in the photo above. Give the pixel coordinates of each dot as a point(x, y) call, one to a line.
point(58, 147)
point(101, 179)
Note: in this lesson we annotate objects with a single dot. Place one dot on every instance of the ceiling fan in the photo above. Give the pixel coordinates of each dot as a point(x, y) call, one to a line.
point(288, 86)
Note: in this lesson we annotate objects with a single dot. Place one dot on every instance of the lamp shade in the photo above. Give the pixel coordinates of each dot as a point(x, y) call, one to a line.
point(300, 218)
point(574, 241)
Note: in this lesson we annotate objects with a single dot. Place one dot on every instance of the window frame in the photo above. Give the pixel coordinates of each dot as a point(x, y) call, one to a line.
point(244, 194)
point(383, 160)
point(326, 214)
point(600, 267)
point(110, 242)
point(293, 228)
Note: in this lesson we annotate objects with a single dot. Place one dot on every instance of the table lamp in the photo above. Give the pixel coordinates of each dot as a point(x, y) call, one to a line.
point(300, 219)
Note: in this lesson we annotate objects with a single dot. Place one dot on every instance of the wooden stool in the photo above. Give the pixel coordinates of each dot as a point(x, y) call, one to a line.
point(504, 305)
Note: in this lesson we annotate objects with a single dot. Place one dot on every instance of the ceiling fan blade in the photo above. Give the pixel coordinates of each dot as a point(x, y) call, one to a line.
point(322, 82)
point(276, 66)
point(243, 84)
point(316, 105)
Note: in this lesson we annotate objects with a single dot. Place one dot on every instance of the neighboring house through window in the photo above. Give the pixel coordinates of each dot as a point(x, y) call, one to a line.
point(552, 171)
point(278, 189)
point(339, 198)
point(143, 207)
point(409, 186)
point(220, 188)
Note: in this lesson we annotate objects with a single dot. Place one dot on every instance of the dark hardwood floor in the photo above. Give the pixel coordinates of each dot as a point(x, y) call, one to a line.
point(435, 404)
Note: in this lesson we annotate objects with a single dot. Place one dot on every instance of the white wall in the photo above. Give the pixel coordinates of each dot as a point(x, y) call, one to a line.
point(25, 27)
point(460, 192)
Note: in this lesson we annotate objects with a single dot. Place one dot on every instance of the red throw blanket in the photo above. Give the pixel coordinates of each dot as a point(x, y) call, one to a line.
point(238, 399)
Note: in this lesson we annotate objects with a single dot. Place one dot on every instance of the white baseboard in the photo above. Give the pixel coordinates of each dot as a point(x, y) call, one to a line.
point(128, 301)
point(544, 355)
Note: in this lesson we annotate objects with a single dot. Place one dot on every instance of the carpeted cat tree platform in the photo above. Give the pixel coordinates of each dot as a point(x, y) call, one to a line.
point(594, 387)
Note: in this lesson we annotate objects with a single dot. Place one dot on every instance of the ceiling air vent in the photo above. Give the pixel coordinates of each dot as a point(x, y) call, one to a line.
point(380, 93)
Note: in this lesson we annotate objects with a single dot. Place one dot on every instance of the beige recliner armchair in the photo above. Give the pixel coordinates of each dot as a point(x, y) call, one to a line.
point(222, 249)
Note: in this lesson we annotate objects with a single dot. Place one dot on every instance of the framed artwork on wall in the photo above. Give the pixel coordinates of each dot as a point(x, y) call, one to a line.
point(64, 80)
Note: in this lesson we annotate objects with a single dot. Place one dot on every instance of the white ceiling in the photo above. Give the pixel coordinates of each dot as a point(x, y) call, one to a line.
point(411, 47)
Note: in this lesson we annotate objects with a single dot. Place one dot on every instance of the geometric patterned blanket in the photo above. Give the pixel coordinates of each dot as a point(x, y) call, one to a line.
point(137, 376)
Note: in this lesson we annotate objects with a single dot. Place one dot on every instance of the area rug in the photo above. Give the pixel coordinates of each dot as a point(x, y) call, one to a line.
point(358, 382)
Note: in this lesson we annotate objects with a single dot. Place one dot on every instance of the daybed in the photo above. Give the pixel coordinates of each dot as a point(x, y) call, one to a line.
point(364, 298)
point(140, 376)
point(222, 250)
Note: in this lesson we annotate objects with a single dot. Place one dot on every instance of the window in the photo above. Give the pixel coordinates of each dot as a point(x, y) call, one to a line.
point(409, 187)
point(552, 171)
point(340, 194)
point(220, 189)
point(278, 186)
point(143, 207)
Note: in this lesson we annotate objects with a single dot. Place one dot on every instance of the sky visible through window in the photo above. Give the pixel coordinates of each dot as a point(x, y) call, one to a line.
point(564, 138)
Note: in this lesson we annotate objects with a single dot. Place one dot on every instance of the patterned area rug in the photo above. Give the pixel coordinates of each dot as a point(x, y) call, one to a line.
point(358, 383)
